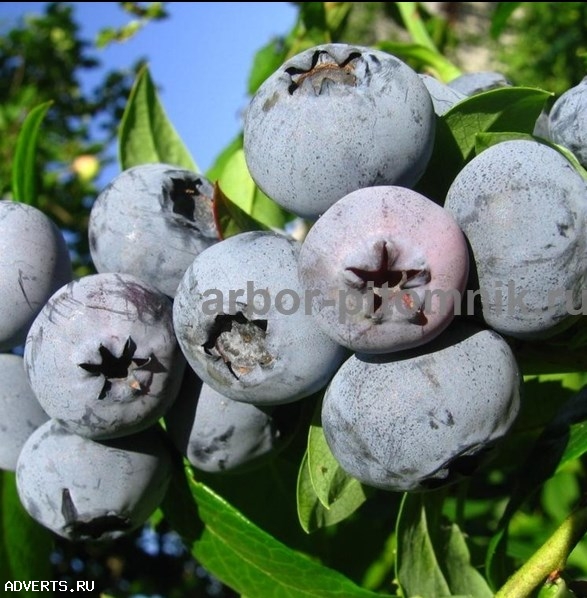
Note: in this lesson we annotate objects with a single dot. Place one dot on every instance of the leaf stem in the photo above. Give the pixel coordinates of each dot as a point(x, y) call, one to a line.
point(551, 556)
point(414, 25)
point(422, 44)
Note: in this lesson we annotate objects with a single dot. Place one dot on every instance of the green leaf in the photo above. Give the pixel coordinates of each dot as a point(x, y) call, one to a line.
point(28, 545)
point(214, 172)
point(569, 155)
point(311, 512)
point(146, 135)
point(5, 572)
point(236, 183)
point(433, 558)
point(266, 61)
point(562, 440)
point(314, 515)
point(576, 337)
point(423, 58)
point(414, 24)
point(332, 485)
point(498, 563)
point(24, 169)
point(230, 219)
point(555, 587)
point(500, 17)
point(337, 16)
point(313, 18)
point(462, 577)
point(417, 568)
point(561, 493)
point(254, 564)
point(507, 109)
point(576, 444)
point(543, 398)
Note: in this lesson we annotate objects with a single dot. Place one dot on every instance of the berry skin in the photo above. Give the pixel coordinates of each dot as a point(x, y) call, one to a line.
point(523, 209)
point(333, 119)
point(85, 490)
point(470, 84)
point(567, 121)
point(417, 419)
point(102, 356)
point(34, 263)
point(152, 221)
point(20, 412)
point(443, 96)
point(237, 323)
point(386, 267)
point(219, 435)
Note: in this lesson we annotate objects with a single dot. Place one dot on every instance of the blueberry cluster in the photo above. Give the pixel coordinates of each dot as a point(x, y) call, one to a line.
point(400, 310)
point(101, 365)
point(77, 486)
point(426, 296)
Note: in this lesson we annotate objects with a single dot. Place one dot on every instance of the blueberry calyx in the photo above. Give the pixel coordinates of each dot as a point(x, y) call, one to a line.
point(193, 207)
point(112, 367)
point(380, 277)
point(94, 528)
point(324, 71)
point(239, 342)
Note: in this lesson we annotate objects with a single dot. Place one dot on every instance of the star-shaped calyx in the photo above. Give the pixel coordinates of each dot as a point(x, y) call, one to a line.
point(123, 367)
point(382, 277)
point(324, 71)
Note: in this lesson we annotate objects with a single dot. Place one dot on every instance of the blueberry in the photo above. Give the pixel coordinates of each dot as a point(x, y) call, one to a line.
point(240, 318)
point(418, 419)
point(219, 435)
point(522, 207)
point(20, 412)
point(541, 126)
point(34, 263)
point(335, 118)
point(102, 356)
point(86, 490)
point(443, 96)
point(471, 84)
point(151, 221)
point(386, 267)
point(567, 121)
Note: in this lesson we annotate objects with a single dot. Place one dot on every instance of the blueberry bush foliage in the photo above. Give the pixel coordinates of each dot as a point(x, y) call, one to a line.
point(298, 525)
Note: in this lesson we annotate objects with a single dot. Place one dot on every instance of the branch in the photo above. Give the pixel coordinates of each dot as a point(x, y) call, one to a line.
point(551, 556)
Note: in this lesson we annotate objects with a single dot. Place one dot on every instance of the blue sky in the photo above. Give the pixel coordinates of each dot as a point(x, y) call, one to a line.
point(199, 57)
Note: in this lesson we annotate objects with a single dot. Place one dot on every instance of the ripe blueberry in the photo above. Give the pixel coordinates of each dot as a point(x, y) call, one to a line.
point(417, 419)
point(20, 412)
point(386, 267)
point(443, 96)
point(85, 490)
point(151, 221)
point(333, 119)
point(102, 356)
point(470, 84)
point(567, 121)
point(523, 209)
point(34, 263)
point(240, 318)
point(219, 435)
